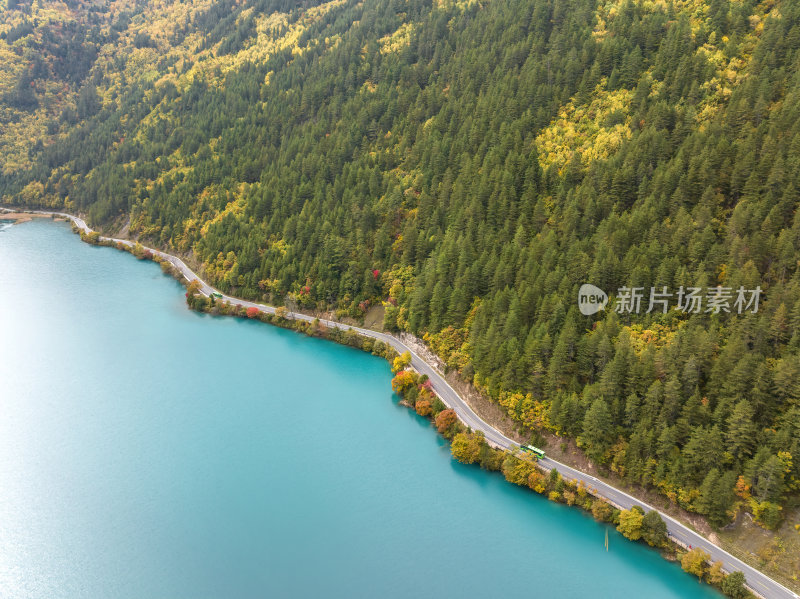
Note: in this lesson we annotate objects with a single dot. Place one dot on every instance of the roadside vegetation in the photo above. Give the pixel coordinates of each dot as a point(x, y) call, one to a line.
point(470, 447)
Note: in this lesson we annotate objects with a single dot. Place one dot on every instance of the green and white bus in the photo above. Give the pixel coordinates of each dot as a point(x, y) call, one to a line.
point(534, 451)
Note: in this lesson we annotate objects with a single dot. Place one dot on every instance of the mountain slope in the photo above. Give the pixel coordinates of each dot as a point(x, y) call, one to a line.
point(469, 165)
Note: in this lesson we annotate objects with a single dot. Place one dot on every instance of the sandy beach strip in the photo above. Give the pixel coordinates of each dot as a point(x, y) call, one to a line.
point(21, 217)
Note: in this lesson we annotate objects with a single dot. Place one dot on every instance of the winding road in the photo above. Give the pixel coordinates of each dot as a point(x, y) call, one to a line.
point(757, 581)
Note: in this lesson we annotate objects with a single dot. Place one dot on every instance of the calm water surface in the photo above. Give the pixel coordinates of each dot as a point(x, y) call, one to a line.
point(150, 452)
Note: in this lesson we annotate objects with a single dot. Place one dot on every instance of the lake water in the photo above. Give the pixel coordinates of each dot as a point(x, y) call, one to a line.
point(150, 452)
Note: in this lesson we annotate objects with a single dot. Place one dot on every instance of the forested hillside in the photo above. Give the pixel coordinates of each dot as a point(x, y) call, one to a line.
point(46, 53)
point(469, 165)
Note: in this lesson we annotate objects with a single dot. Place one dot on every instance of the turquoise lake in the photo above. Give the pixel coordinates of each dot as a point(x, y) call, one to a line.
point(150, 452)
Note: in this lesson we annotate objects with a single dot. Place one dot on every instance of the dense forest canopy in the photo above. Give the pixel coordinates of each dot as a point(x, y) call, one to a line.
point(469, 165)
